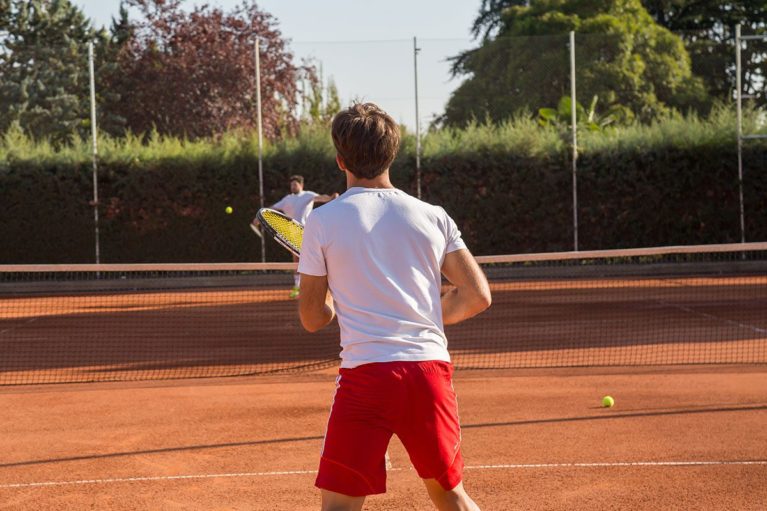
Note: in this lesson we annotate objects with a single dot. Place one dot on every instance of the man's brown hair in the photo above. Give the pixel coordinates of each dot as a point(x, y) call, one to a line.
point(366, 138)
point(298, 178)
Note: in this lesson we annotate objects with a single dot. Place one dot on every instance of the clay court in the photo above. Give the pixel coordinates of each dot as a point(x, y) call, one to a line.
point(678, 438)
point(684, 357)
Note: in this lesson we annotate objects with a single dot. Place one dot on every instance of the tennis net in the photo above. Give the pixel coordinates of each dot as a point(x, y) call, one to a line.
point(659, 306)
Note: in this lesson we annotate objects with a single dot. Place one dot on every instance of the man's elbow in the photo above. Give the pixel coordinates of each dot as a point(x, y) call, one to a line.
point(310, 325)
point(482, 301)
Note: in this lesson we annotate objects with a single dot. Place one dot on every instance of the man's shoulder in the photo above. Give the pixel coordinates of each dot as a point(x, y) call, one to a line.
point(424, 207)
point(326, 211)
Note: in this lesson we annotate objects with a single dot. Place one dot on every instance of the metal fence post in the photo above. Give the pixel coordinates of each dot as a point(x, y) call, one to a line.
point(94, 137)
point(573, 115)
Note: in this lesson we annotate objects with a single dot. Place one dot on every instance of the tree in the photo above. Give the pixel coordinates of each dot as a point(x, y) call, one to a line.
point(193, 73)
point(107, 68)
point(324, 102)
point(708, 30)
point(624, 58)
point(43, 68)
point(490, 17)
point(5, 12)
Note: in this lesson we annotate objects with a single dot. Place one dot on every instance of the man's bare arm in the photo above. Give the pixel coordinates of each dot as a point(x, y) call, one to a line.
point(471, 294)
point(325, 198)
point(315, 305)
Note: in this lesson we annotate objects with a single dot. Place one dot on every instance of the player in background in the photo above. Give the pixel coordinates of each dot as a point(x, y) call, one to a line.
point(376, 256)
point(298, 204)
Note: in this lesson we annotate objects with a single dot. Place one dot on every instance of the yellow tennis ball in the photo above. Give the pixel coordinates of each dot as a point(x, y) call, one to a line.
point(229, 210)
point(608, 401)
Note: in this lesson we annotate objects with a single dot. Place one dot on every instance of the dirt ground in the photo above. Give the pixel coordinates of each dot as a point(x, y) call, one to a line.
point(683, 437)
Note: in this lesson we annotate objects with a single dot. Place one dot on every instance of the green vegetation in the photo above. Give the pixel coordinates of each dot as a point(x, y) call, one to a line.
point(617, 40)
point(657, 157)
point(673, 181)
point(43, 68)
point(707, 28)
point(204, 52)
point(631, 63)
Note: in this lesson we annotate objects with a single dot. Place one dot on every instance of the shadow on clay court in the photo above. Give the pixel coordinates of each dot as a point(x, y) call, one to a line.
point(161, 451)
point(619, 415)
point(613, 415)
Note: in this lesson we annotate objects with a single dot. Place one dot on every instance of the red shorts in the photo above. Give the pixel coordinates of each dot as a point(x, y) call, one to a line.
point(415, 401)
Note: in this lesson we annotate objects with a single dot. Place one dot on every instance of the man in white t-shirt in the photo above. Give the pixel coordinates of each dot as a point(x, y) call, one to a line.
point(298, 204)
point(376, 255)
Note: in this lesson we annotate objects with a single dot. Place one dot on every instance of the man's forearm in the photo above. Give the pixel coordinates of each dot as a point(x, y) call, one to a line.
point(315, 316)
point(458, 305)
point(325, 198)
point(471, 294)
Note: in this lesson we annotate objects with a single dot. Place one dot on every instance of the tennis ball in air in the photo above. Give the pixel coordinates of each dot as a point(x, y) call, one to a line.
point(608, 401)
point(229, 210)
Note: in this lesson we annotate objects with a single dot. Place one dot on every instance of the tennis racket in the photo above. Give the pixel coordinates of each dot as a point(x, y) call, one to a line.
point(285, 231)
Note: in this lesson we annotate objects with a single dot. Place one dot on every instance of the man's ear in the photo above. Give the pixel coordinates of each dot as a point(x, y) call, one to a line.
point(340, 162)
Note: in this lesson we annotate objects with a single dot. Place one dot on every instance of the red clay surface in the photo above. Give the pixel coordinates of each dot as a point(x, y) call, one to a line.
point(678, 438)
point(136, 335)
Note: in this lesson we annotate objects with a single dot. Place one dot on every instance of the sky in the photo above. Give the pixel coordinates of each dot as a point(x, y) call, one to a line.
point(366, 46)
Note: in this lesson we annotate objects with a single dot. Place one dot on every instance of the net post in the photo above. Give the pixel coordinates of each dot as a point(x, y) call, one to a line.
point(739, 100)
point(575, 140)
point(94, 139)
point(416, 49)
point(257, 57)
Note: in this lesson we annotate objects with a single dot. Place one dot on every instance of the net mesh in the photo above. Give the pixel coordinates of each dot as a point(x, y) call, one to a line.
point(289, 231)
point(613, 308)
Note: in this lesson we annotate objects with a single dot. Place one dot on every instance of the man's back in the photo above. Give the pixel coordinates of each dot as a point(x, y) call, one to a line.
point(382, 251)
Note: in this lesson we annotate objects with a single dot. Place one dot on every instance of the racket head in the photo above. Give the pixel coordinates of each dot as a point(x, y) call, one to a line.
point(285, 231)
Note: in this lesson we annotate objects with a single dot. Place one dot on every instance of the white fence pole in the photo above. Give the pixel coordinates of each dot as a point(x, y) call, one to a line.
point(573, 115)
point(94, 136)
point(416, 49)
point(738, 95)
point(260, 141)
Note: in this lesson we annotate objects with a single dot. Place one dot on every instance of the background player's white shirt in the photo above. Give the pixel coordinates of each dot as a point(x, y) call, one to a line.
point(297, 205)
point(382, 251)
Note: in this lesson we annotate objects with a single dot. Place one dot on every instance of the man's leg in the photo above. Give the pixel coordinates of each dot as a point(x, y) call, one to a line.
point(449, 500)
point(332, 501)
point(352, 462)
point(294, 293)
point(432, 434)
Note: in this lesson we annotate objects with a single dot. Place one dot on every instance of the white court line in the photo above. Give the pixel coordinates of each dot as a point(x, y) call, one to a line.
point(156, 478)
point(620, 464)
point(714, 317)
point(469, 467)
point(17, 326)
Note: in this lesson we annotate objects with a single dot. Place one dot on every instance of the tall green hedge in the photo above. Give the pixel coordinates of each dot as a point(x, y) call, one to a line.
point(507, 186)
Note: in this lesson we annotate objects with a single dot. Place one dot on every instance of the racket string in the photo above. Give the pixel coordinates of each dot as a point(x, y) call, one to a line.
point(288, 230)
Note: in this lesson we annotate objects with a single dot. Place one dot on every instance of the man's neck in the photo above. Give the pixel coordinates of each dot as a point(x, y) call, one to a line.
point(381, 181)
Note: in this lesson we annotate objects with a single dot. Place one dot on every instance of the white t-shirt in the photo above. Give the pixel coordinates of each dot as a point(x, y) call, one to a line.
point(297, 205)
point(382, 251)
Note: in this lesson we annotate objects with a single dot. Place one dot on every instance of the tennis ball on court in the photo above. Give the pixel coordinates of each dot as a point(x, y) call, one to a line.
point(229, 210)
point(608, 401)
